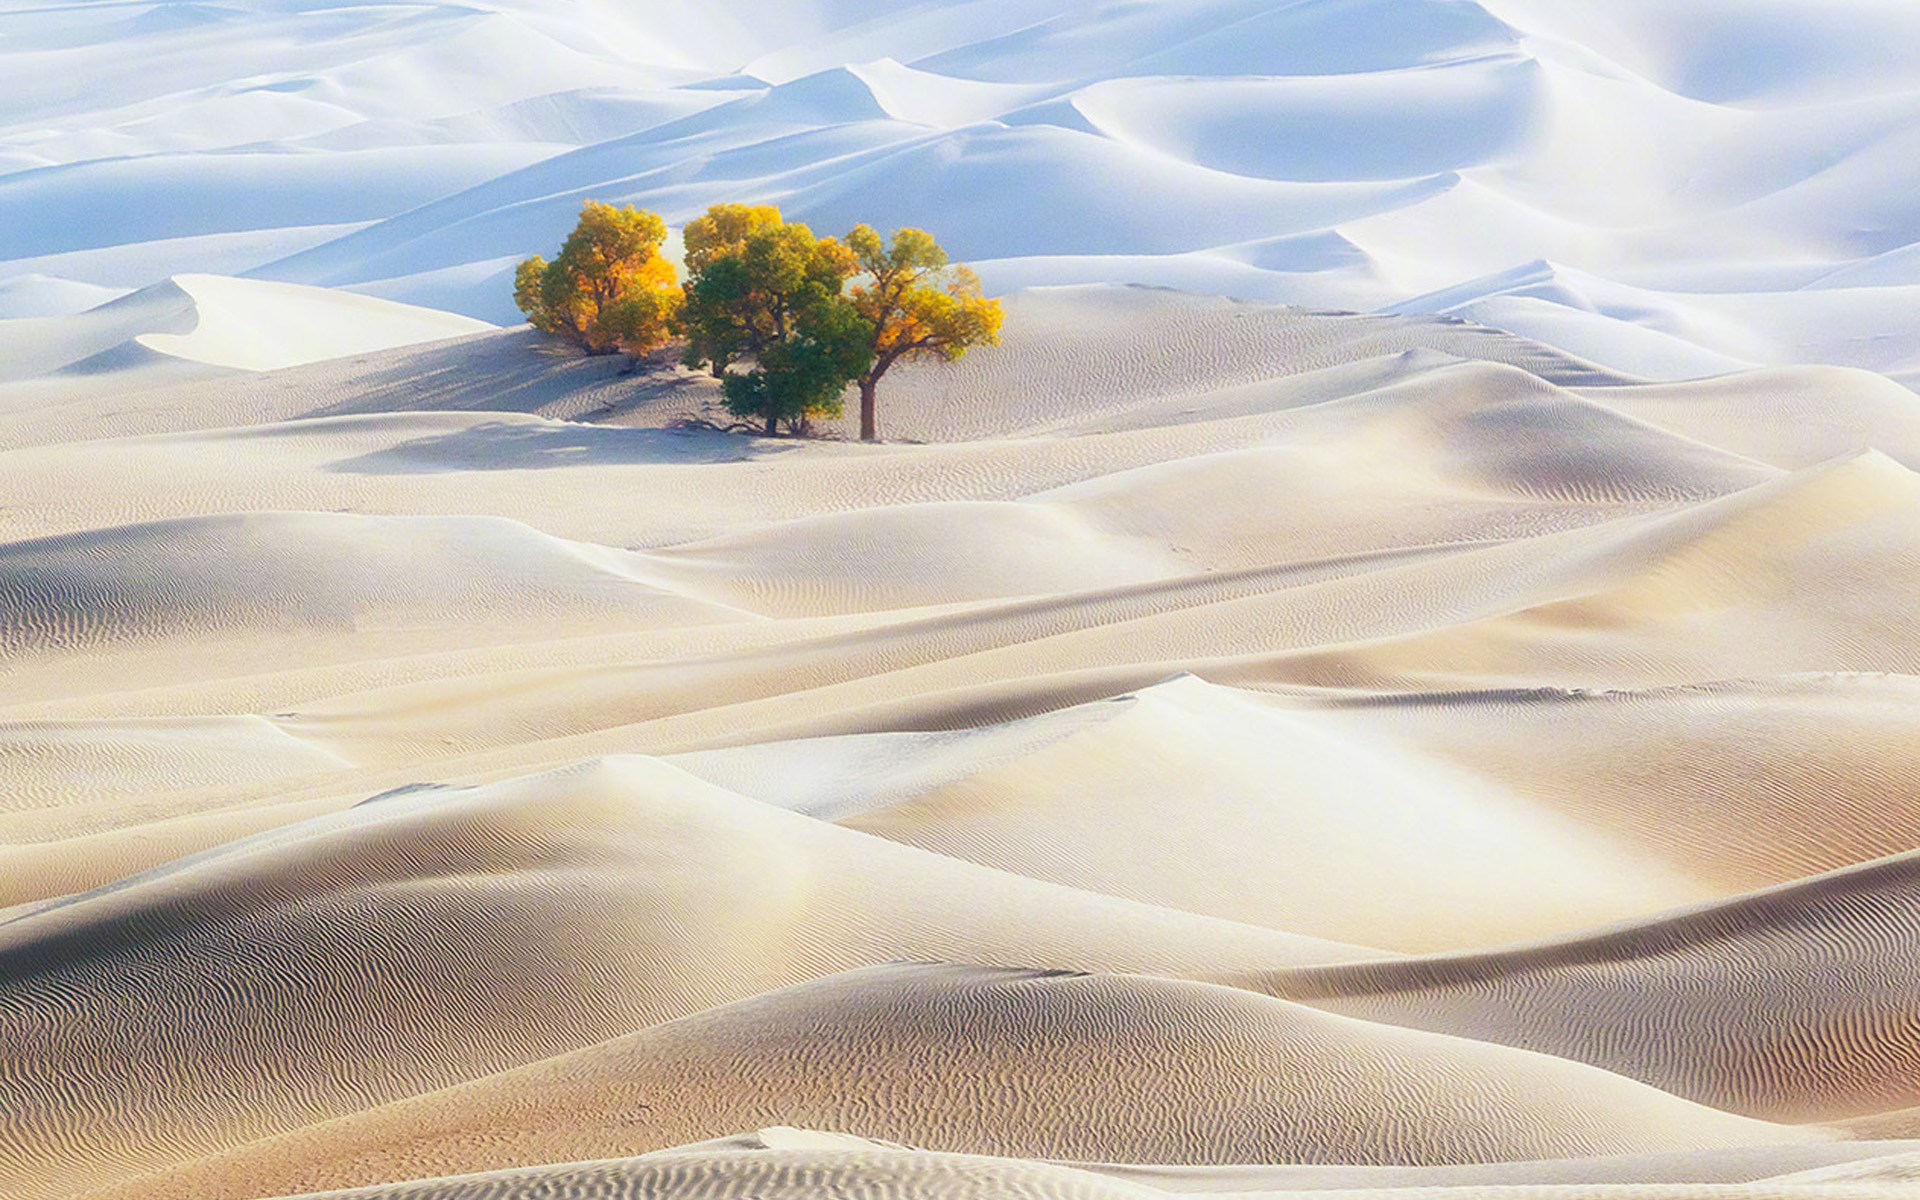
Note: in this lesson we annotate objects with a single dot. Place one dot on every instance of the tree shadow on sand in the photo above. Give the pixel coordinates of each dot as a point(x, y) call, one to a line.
point(527, 445)
point(515, 370)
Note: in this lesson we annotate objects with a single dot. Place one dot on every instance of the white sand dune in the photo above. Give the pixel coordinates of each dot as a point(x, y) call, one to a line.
point(1671, 194)
point(1299, 828)
point(1688, 775)
point(1791, 418)
point(219, 578)
point(254, 325)
point(215, 322)
point(911, 1176)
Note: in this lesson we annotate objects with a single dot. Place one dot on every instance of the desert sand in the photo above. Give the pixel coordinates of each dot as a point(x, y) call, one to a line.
point(1380, 751)
point(1398, 680)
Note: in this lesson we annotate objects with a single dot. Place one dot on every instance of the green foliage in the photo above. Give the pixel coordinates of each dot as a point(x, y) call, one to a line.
point(802, 376)
point(609, 289)
point(764, 291)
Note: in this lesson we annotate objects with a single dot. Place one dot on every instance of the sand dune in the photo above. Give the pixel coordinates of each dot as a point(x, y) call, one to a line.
point(215, 578)
point(256, 326)
point(1299, 828)
point(220, 322)
point(1721, 590)
point(1785, 1004)
point(997, 1063)
point(908, 1176)
point(913, 1175)
point(1670, 194)
point(1791, 418)
point(1687, 775)
point(436, 936)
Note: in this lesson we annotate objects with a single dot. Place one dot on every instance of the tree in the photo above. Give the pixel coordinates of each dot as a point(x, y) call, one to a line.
point(916, 305)
point(769, 291)
point(609, 289)
point(748, 274)
point(802, 375)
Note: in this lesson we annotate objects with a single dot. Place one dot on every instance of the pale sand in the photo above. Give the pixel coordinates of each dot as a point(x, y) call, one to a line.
point(779, 1163)
point(1791, 1003)
point(997, 1062)
point(430, 937)
point(1199, 642)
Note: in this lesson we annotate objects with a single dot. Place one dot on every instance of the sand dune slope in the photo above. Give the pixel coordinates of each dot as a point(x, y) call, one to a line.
point(432, 937)
point(1000, 1062)
point(215, 321)
point(771, 1175)
point(930, 1177)
point(221, 578)
point(1790, 417)
point(1791, 1004)
point(1785, 577)
point(1197, 799)
point(1741, 784)
point(59, 763)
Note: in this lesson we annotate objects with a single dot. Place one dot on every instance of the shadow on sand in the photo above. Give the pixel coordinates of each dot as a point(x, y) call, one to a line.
point(514, 370)
point(525, 445)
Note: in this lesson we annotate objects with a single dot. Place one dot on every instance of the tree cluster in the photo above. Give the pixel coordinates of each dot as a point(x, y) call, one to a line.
point(786, 320)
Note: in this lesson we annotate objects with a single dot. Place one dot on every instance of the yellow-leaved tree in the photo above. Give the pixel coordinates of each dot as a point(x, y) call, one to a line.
point(609, 289)
point(917, 304)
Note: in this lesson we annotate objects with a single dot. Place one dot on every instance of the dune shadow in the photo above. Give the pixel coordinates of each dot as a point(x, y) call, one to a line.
point(513, 370)
point(522, 446)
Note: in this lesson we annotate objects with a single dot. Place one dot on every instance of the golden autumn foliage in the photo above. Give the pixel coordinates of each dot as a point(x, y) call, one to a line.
point(609, 289)
point(723, 229)
point(917, 304)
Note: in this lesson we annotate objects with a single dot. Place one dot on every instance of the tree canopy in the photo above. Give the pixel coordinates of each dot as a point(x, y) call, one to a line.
point(769, 290)
point(609, 288)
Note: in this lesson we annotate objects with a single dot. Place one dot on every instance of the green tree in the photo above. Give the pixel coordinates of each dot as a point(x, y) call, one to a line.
point(766, 291)
point(802, 375)
point(916, 305)
point(609, 289)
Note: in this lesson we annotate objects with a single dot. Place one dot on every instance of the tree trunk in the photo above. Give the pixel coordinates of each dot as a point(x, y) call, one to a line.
point(773, 424)
point(868, 430)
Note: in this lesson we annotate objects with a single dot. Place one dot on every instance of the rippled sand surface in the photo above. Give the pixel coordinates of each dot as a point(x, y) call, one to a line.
point(1214, 748)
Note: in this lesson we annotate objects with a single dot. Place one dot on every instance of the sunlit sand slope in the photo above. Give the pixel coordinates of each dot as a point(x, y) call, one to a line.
point(883, 1174)
point(430, 937)
point(1000, 1062)
point(1792, 1003)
